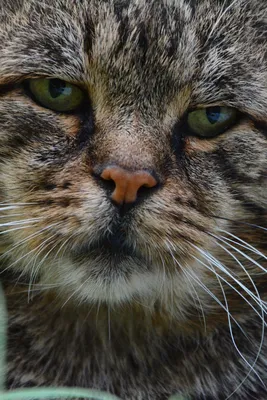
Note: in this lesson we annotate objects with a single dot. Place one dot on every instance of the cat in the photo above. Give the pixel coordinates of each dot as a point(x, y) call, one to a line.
point(133, 170)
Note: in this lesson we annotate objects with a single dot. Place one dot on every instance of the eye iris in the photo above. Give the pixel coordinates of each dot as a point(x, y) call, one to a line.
point(56, 88)
point(56, 94)
point(213, 114)
point(211, 121)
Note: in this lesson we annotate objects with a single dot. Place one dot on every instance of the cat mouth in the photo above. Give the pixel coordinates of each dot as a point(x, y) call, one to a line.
point(115, 247)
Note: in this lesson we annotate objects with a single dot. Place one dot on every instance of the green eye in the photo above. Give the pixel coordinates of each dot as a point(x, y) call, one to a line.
point(56, 94)
point(211, 121)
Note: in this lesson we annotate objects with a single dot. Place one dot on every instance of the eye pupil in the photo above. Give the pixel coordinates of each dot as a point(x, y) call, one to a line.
point(213, 114)
point(56, 87)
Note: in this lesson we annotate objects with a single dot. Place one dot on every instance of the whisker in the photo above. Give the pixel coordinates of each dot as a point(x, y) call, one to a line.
point(242, 243)
point(216, 299)
point(13, 206)
point(35, 273)
point(25, 255)
point(20, 222)
point(222, 268)
point(210, 293)
point(15, 229)
point(11, 215)
point(64, 244)
point(33, 289)
point(8, 208)
point(239, 222)
point(23, 283)
point(240, 252)
point(4, 203)
point(75, 291)
point(252, 367)
point(239, 263)
point(263, 328)
point(263, 310)
point(169, 245)
point(33, 235)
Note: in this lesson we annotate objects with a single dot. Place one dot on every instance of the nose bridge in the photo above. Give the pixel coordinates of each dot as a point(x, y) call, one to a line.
point(129, 145)
point(133, 151)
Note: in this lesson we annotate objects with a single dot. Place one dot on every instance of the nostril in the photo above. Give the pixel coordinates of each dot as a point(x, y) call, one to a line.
point(144, 190)
point(107, 184)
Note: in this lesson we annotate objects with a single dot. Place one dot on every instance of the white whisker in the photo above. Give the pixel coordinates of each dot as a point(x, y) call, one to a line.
point(32, 236)
point(242, 244)
point(34, 273)
point(239, 251)
point(25, 255)
point(209, 292)
point(252, 367)
point(222, 268)
point(15, 229)
point(169, 245)
point(75, 291)
point(263, 309)
point(12, 215)
point(20, 222)
point(64, 244)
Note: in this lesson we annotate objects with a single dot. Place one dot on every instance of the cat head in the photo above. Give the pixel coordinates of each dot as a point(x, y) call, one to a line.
point(133, 148)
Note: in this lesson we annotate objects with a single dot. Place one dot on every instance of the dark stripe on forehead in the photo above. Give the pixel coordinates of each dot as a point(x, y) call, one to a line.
point(123, 31)
point(89, 34)
point(119, 7)
point(143, 40)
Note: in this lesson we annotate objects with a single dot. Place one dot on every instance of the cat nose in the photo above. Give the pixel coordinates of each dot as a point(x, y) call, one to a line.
point(127, 183)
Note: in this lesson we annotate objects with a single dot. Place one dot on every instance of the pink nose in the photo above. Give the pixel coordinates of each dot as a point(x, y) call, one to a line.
point(127, 183)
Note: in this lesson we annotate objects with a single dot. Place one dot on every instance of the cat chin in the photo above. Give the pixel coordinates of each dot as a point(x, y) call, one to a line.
point(98, 281)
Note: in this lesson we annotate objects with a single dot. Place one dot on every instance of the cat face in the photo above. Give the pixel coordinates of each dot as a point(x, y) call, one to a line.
point(145, 74)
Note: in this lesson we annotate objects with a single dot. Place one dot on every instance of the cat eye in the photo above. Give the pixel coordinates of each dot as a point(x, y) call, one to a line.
point(56, 94)
point(211, 121)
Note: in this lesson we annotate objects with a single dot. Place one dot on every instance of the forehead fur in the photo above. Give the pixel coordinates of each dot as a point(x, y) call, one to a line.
point(142, 50)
